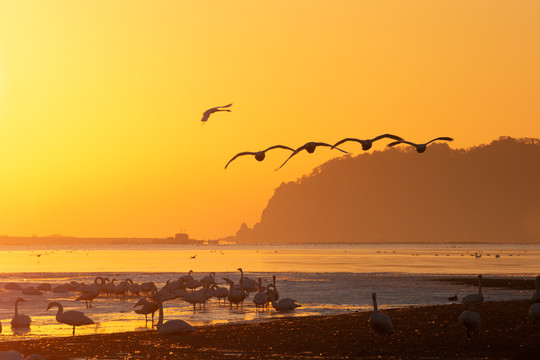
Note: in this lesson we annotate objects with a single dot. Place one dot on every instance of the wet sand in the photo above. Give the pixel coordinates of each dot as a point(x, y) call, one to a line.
point(430, 332)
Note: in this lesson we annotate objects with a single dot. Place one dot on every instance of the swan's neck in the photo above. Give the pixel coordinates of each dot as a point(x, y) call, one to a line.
point(16, 308)
point(480, 286)
point(375, 308)
point(160, 319)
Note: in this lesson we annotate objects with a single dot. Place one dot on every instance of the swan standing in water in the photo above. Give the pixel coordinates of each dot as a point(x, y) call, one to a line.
point(274, 288)
point(259, 155)
point(210, 111)
point(171, 327)
point(286, 304)
point(420, 148)
point(368, 143)
point(379, 322)
point(310, 148)
point(475, 298)
point(71, 317)
point(261, 298)
point(246, 283)
point(236, 296)
point(148, 307)
point(536, 296)
point(20, 320)
point(470, 320)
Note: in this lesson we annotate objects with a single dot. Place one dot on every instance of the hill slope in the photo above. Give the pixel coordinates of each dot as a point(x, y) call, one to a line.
point(488, 193)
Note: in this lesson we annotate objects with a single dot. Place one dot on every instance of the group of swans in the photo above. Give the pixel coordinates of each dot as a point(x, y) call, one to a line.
point(311, 146)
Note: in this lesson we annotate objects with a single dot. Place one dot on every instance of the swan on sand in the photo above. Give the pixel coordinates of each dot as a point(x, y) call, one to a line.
point(171, 327)
point(470, 320)
point(379, 322)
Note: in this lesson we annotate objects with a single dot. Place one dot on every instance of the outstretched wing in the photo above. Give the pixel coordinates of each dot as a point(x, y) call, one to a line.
point(333, 147)
point(239, 154)
point(401, 142)
point(294, 153)
point(389, 136)
point(345, 140)
point(225, 106)
point(279, 147)
point(445, 138)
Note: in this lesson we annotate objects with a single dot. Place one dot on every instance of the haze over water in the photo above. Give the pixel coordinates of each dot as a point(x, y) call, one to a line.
point(325, 279)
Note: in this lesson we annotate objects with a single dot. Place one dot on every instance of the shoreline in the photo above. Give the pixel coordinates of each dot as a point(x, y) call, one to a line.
point(430, 332)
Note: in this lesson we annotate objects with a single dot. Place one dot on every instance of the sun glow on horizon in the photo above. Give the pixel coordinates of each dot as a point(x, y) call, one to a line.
point(100, 131)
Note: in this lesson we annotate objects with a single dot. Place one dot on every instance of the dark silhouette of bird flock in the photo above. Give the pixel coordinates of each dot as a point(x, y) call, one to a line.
point(311, 146)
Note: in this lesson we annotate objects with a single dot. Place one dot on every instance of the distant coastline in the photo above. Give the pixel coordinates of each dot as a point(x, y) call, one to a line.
point(6, 240)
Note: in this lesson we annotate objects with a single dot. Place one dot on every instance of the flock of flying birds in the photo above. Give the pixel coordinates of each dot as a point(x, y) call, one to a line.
point(311, 146)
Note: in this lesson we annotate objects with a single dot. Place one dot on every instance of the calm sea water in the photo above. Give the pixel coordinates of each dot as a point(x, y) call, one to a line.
point(324, 279)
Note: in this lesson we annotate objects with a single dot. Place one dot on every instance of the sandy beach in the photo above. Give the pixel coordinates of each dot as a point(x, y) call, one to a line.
point(431, 332)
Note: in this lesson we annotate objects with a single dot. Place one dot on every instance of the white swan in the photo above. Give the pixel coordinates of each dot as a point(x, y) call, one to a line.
point(20, 320)
point(200, 296)
point(148, 288)
point(92, 291)
point(470, 320)
point(210, 111)
point(148, 307)
point(379, 322)
point(274, 288)
point(420, 148)
point(187, 277)
point(475, 298)
point(236, 296)
point(220, 292)
point(246, 283)
point(171, 327)
point(310, 148)
point(536, 296)
point(286, 304)
point(261, 298)
point(71, 317)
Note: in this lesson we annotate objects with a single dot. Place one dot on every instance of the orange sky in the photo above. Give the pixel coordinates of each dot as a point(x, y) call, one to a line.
point(100, 101)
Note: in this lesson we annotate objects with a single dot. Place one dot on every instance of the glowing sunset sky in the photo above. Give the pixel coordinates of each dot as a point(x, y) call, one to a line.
point(101, 101)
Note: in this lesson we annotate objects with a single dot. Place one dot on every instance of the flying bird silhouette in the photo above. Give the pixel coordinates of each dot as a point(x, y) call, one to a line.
point(210, 111)
point(310, 148)
point(368, 143)
point(259, 155)
point(420, 148)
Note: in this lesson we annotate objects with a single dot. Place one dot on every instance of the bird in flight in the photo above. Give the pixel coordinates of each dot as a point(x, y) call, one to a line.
point(310, 148)
point(259, 155)
point(210, 111)
point(420, 148)
point(368, 143)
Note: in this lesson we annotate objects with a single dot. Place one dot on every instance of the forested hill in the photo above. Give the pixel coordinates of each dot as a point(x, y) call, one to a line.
point(488, 193)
